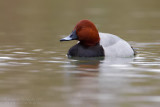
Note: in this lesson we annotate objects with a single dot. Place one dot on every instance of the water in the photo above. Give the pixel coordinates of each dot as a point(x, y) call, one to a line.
point(34, 69)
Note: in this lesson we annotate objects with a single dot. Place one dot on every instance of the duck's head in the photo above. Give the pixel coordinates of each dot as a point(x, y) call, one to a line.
point(86, 32)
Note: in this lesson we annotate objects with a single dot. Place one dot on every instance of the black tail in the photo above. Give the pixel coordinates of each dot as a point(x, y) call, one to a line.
point(135, 52)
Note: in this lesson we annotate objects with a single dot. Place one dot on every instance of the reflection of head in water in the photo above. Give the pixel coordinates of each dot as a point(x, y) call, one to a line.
point(87, 64)
point(92, 66)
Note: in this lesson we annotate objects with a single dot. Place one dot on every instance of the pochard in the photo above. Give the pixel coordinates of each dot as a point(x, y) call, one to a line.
point(95, 44)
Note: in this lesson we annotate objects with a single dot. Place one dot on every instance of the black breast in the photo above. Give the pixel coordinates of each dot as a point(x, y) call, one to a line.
point(79, 50)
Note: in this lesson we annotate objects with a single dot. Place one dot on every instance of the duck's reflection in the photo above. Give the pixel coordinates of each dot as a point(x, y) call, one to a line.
point(92, 83)
point(98, 64)
point(84, 66)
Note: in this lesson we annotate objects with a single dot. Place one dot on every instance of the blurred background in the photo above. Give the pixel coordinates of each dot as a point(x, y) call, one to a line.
point(34, 68)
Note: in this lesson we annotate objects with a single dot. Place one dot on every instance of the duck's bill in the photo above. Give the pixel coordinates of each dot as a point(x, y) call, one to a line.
point(68, 38)
point(72, 36)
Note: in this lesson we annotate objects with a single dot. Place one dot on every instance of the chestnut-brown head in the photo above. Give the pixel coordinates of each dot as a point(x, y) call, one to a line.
point(86, 32)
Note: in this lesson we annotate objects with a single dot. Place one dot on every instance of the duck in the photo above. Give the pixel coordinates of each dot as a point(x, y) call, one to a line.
point(96, 44)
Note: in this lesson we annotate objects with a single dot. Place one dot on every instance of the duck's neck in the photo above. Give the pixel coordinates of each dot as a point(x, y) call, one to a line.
point(88, 44)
